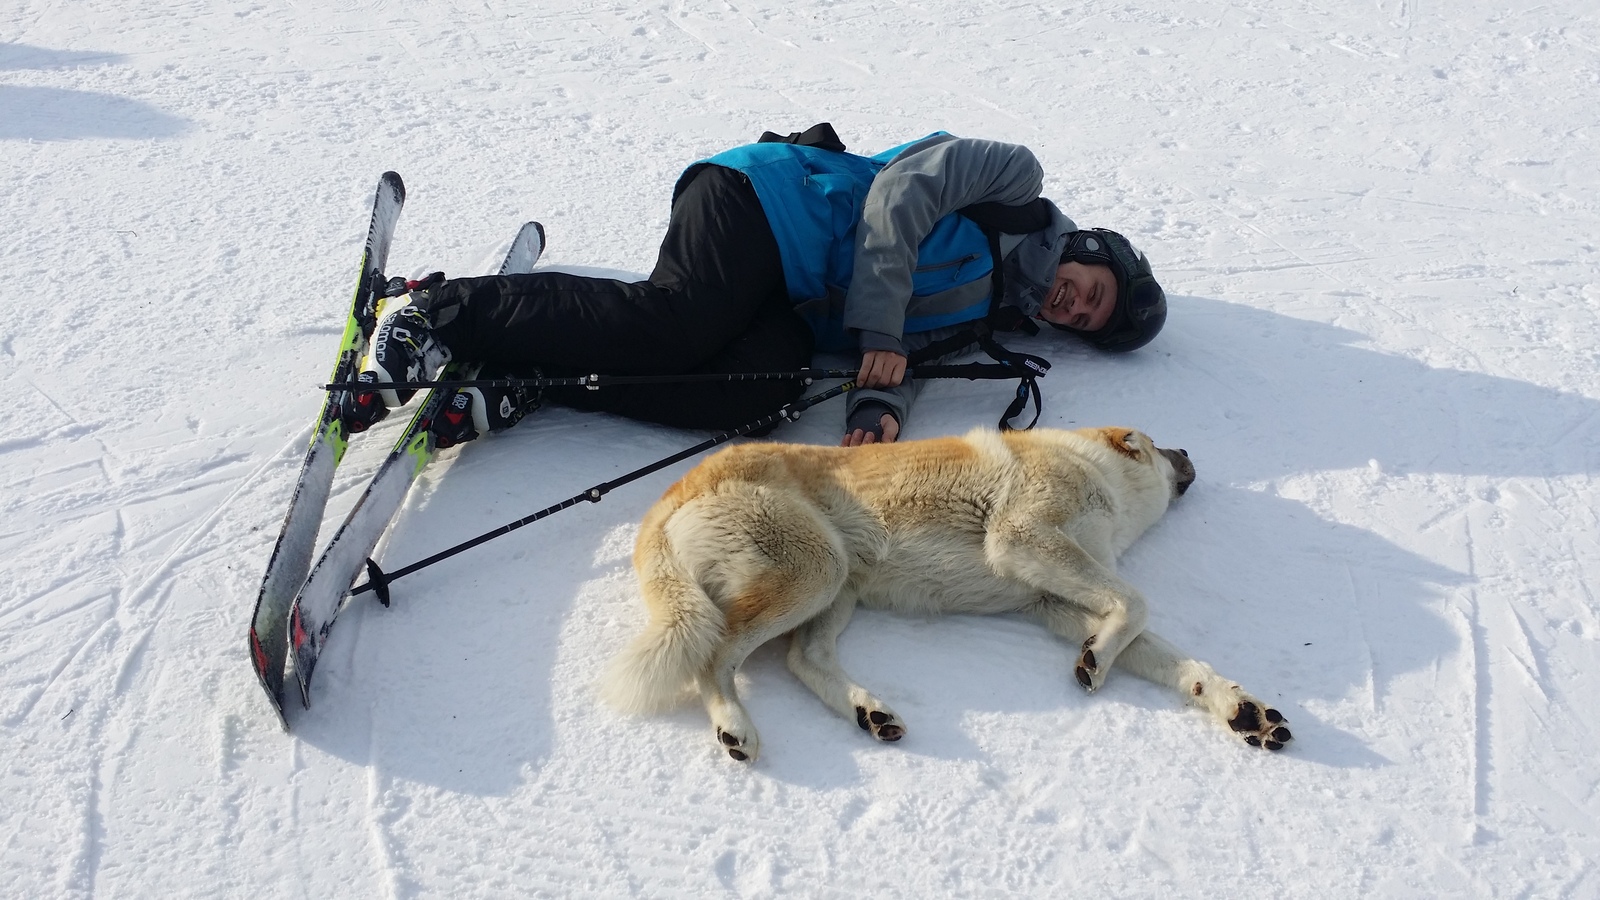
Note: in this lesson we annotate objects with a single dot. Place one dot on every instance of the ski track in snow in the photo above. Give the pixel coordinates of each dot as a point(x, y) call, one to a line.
point(1376, 227)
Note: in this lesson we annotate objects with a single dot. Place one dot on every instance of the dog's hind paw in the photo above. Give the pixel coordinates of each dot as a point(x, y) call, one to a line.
point(1088, 668)
point(1260, 726)
point(737, 747)
point(882, 724)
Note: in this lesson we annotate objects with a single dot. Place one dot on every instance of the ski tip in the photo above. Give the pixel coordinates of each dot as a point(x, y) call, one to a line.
point(526, 248)
point(394, 181)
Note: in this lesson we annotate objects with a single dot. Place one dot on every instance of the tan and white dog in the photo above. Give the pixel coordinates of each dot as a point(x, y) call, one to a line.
point(762, 540)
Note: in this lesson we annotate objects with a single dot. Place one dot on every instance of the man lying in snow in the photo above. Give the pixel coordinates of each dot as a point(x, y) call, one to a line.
point(774, 250)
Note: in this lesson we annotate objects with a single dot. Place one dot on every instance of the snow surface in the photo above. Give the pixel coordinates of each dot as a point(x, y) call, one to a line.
point(1377, 226)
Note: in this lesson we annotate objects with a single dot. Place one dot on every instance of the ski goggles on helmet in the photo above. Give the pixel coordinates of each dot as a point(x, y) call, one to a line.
point(1141, 304)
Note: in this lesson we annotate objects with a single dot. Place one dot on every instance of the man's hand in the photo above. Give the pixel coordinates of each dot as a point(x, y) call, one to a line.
point(881, 369)
point(891, 430)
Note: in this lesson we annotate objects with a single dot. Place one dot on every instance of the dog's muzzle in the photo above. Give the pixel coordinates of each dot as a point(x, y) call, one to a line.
point(1182, 468)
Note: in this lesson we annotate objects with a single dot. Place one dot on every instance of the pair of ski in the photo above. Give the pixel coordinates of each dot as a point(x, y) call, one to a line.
point(298, 602)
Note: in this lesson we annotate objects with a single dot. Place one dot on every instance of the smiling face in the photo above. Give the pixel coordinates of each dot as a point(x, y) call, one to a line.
point(1082, 298)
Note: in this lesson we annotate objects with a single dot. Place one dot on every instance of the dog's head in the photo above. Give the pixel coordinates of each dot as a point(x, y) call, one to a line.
point(1173, 466)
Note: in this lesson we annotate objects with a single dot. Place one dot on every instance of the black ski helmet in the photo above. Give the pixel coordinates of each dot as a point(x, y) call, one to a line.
point(1141, 304)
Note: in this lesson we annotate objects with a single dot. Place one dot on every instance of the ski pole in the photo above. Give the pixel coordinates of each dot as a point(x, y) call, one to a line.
point(969, 371)
point(378, 581)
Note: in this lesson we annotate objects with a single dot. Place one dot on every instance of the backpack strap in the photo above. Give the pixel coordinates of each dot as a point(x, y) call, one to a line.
point(1024, 218)
point(995, 219)
point(959, 341)
point(1000, 218)
point(821, 135)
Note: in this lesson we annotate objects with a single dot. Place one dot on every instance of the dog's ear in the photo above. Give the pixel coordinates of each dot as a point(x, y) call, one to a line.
point(1125, 441)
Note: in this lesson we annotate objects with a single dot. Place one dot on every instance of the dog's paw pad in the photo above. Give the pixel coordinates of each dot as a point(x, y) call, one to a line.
point(1086, 670)
point(1247, 718)
point(1261, 727)
point(882, 725)
point(732, 744)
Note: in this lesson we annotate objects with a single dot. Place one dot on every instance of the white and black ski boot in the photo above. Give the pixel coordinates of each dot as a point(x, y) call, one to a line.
point(403, 349)
point(475, 411)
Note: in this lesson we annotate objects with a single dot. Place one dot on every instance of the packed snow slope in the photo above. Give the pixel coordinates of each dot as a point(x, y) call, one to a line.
point(1376, 223)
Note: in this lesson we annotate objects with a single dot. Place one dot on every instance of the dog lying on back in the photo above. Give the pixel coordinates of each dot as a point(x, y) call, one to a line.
point(762, 540)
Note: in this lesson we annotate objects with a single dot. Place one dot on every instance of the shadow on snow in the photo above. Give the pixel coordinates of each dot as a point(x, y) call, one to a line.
point(31, 113)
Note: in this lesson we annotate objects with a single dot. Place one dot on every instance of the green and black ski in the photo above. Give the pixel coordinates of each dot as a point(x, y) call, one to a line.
point(327, 591)
point(291, 555)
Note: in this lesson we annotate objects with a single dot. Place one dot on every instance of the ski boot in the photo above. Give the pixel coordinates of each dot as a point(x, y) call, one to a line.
point(403, 349)
point(475, 411)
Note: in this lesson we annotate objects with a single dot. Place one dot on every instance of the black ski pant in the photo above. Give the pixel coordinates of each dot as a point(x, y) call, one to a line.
point(715, 303)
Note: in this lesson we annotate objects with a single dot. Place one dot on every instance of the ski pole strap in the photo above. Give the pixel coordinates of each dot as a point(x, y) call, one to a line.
point(378, 580)
point(1014, 364)
point(1026, 367)
point(1025, 388)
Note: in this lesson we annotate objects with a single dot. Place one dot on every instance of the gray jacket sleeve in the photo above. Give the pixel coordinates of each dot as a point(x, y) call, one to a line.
point(900, 397)
point(928, 181)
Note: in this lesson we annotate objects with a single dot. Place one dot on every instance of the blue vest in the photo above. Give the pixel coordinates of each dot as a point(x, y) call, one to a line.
point(813, 199)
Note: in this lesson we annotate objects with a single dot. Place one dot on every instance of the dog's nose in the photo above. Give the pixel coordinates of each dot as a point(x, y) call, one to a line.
point(1182, 469)
point(1185, 478)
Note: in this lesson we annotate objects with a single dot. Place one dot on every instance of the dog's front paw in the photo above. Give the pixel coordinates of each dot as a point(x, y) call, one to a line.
point(1260, 725)
point(882, 724)
point(741, 749)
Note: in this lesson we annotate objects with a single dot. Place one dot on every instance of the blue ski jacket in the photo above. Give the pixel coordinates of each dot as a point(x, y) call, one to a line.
point(873, 247)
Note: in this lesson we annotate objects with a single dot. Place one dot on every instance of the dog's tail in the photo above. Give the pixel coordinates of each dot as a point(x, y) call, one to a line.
point(658, 667)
